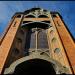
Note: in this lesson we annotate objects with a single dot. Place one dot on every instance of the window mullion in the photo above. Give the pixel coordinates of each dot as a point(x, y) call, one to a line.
point(36, 39)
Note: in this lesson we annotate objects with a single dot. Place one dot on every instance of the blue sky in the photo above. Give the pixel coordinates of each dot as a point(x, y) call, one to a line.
point(65, 8)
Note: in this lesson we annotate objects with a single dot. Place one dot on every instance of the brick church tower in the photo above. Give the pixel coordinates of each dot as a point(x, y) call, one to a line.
point(37, 41)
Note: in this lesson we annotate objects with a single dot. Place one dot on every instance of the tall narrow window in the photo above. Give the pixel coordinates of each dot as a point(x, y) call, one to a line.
point(36, 39)
point(33, 39)
point(42, 39)
point(30, 39)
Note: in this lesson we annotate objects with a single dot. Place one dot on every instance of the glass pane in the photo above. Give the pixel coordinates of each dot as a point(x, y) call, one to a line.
point(30, 40)
point(33, 40)
point(42, 39)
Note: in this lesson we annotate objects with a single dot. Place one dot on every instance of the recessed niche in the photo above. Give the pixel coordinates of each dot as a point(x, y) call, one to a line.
point(16, 51)
point(57, 50)
point(14, 24)
point(22, 32)
point(54, 15)
point(54, 39)
point(51, 32)
point(58, 24)
point(65, 68)
point(19, 40)
point(18, 16)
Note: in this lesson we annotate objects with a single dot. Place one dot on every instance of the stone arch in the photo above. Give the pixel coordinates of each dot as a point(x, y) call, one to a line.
point(56, 65)
point(34, 66)
point(37, 24)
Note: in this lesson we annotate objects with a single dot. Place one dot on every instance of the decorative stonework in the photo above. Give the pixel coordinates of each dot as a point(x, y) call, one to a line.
point(59, 69)
point(36, 34)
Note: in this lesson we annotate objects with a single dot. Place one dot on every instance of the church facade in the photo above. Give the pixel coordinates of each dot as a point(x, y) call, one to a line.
point(38, 41)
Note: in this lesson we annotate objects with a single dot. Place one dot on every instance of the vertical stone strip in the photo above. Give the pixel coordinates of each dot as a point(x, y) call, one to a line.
point(67, 41)
point(7, 41)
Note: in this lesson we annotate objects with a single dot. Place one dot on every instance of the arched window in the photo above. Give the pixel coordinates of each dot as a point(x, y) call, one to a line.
point(36, 37)
point(42, 39)
point(33, 39)
point(30, 16)
point(30, 39)
point(43, 16)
